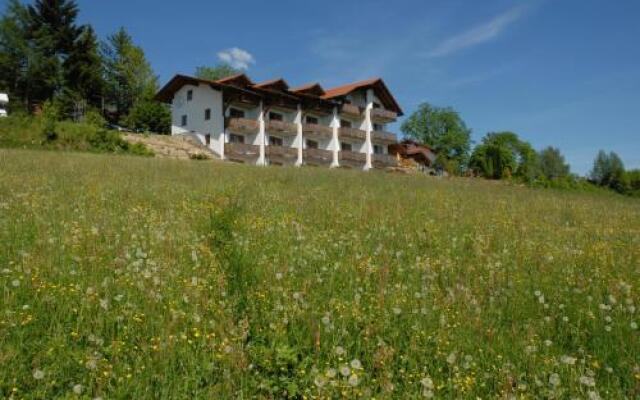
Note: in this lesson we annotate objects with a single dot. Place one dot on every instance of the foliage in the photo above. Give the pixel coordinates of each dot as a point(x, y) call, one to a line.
point(48, 132)
point(150, 116)
point(442, 129)
point(128, 75)
point(608, 170)
point(552, 164)
point(125, 277)
point(632, 177)
point(502, 155)
point(216, 72)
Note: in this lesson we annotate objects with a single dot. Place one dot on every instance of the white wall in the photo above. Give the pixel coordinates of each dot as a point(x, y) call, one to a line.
point(203, 97)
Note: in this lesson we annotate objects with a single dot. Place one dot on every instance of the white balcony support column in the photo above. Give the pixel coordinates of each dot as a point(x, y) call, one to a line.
point(334, 145)
point(297, 143)
point(225, 132)
point(261, 136)
point(368, 128)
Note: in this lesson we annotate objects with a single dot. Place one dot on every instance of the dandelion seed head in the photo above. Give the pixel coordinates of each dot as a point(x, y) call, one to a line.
point(356, 364)
point(345, 370)
point(353, 380)
point(38, 374)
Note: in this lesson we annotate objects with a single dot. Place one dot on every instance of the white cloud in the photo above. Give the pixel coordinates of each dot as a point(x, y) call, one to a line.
point(237, 58)
point(479, 34)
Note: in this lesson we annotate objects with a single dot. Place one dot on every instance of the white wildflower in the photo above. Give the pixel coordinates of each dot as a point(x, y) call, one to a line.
point(554, 380)
point(345, 371)
point(634, 325)
point(397, 310)
point(77, 389)
point(320, 381)
point(331, 373)
point(568, 360)
point(427, 382)
point(451, 358)
point(356, 364)
point(587, 381)
point(15, 283)
point(353, 380)
point(339, 350)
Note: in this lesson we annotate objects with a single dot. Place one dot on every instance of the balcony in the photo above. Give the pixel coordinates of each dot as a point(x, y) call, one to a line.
point(317, 130)
point(384, 161)
point(350, 109)
point(240, 152)
point(383, 137)
point(382, 115)
point(353, 133)
point(280, 155)
point(352, 159)
point(317, 157)
point(282, 128)
point(243, 126)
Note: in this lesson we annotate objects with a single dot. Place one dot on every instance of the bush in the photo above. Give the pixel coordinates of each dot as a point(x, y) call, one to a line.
point(27, 132)
point(150, 116)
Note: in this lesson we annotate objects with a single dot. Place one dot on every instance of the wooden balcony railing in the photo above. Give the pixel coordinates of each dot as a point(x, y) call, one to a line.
point(281, 155)
point(317, 157)
point(380, 114)
point(350, 109)
point(352, 159)
point(243, 126)
point(241, 152)
point(384, 161)
point(317, 130)
point(282, 128)
point(386, 137)
point(353, 133)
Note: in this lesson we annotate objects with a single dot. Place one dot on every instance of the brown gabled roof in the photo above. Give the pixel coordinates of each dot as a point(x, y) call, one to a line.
point(241, 80)
point(377, 84)
point(313, 88)
point(277, 84)
point(166, 93)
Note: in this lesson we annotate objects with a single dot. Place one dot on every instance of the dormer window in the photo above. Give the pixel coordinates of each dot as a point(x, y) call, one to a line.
point(189, 95)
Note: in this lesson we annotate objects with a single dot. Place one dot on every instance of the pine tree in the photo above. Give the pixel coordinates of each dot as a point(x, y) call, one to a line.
point(52, 33)
point(83, 82)
point(128, 75)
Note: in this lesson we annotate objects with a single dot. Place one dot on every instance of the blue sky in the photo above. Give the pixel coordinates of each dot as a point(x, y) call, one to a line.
point(563, 73)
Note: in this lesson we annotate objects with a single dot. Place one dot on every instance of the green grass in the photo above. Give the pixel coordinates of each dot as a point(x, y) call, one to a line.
point(125, 277)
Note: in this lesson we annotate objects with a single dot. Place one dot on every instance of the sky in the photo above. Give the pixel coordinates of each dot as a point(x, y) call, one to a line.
point(557, 72)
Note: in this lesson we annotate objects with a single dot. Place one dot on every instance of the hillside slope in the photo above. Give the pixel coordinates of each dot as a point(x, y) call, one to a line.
point(124, 277)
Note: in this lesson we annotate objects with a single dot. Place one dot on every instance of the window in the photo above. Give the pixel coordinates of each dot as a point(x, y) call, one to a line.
point(275, 116)
point(235, 113)
point(183, 121)
point(189, 95)
point(312, 144)
point(378, 127)
point(377, 149)
point(345, 124)
point(275, 141)
point(347, 101)
point(345, 146)
point(207, 139)
point(376, 105)
point(233, 138)
point(207, 114)
point(311, 120)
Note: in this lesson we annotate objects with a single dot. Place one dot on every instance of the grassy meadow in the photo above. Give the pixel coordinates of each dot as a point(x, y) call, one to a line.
point(136, 278)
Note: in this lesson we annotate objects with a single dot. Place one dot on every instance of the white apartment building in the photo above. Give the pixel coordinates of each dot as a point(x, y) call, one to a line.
point(271, 123)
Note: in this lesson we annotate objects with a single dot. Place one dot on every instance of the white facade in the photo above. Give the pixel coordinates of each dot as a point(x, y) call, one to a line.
point(191, 103)
point(319, 136)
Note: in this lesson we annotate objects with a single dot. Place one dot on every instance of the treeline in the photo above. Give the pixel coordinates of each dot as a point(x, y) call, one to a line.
point(49, 63)
point(504, 155)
